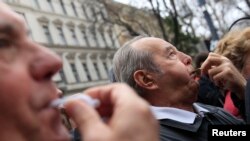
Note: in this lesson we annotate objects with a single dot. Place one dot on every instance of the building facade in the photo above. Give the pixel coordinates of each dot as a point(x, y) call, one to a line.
point(73, 30)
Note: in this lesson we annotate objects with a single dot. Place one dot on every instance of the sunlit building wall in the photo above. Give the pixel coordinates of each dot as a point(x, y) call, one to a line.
point(72, 30)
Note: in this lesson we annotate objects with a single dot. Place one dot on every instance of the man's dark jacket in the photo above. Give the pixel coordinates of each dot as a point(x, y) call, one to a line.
point(171, 130)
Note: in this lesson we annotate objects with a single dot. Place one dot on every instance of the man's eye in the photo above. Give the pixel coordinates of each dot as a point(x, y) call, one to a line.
point(172, 56)
point(4, 43)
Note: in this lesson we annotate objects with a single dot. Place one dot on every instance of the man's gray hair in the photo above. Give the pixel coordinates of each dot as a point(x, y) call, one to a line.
point(127, 60)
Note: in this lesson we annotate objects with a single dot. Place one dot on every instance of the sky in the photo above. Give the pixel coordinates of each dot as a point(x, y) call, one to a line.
point(137, 3)
point(123, 1)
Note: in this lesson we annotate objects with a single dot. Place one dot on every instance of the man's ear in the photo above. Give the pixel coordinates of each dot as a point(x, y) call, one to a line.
point(145, 79)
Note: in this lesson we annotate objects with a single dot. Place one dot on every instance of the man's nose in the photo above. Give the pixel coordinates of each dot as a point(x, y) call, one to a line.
point(45, 64)
point(186, 59)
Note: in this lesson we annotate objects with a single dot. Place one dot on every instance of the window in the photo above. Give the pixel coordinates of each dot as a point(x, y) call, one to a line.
point(73, 67)
point(106, 67)
point(73, 35)
point(93, 33)
point(84, 11)
point(103, 36)
point(94, 13)
point(86, 71)
point(63, 7)
point(61, 35)
point(111, 36)
point(97, 70)
point(74, 8)
point(103, 14)
point(50, 5)
point(47, 34)
point(62, 75)
point(37, 4)
point(85, 37)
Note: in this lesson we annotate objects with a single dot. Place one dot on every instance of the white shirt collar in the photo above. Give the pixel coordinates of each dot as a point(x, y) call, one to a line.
point(176, 114)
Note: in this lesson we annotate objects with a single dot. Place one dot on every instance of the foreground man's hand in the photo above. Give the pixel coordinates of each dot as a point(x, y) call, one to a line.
point(127, 117)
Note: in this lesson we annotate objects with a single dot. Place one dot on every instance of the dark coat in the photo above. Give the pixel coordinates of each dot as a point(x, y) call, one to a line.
point(171, 130)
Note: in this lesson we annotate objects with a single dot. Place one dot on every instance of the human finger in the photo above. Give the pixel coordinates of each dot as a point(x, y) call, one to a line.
point(219, 80)
point(110, 95)
point(86, 118)
point(212, 60)
point(128, 112)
